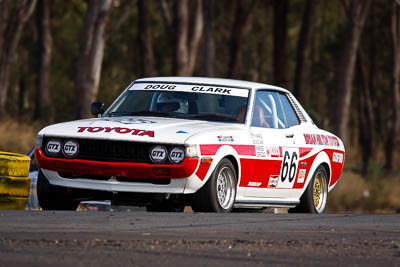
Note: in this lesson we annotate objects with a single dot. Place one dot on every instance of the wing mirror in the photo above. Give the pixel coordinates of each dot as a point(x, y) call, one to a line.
point(97, 108)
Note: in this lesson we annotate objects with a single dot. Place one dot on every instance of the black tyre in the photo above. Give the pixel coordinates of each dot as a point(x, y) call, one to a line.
point(315, 198)
point(219, 193)
point(52, 197)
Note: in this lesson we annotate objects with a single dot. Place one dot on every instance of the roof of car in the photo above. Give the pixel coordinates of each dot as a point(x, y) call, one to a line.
point(212, 81)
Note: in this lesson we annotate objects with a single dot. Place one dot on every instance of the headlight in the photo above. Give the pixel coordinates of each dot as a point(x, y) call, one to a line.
point(158, 154)
point(53, 147)
point(70, 148)
point(39, 141)
point(176, 155)
point(191, 151)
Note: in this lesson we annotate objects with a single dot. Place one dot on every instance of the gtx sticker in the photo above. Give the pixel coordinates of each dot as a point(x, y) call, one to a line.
point(70, 148)
point(53, 147)
point(119, 130)
point(273, 181)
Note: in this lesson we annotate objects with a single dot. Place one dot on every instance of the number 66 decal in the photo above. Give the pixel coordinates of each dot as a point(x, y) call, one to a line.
point(289, 168)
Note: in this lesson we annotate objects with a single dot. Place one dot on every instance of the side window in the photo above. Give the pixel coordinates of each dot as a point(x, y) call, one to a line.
point(290, 114)
point(267, 111)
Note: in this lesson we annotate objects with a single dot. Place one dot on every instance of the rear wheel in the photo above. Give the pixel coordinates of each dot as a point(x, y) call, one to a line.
point(219, 193)
point(315, 198)
point(52, 197)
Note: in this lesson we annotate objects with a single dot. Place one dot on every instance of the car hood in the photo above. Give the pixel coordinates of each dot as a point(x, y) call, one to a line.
point(144, 129)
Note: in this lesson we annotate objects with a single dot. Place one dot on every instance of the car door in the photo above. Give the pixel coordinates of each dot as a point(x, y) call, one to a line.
point(272, 173)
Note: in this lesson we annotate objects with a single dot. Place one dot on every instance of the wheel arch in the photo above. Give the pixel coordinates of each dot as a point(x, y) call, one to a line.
point(235, 164)
point(322, 159)
point(328, 171)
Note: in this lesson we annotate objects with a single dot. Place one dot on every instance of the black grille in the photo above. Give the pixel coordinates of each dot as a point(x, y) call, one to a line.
point(106, 150)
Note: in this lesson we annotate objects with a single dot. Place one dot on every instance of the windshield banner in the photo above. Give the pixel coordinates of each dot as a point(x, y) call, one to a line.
point(191, 88)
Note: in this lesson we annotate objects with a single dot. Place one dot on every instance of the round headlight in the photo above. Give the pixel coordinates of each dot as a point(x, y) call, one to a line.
point(176, 155)
point(158, 154)
point(53, 147)
point(70, 148)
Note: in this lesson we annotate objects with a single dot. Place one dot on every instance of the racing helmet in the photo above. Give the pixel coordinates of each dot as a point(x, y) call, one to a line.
point(167, 102)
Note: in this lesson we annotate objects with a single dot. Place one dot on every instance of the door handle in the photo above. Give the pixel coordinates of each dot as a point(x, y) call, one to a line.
point(289, 135)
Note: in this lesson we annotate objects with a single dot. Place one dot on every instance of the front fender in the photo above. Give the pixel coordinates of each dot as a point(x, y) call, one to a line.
point(204, 171)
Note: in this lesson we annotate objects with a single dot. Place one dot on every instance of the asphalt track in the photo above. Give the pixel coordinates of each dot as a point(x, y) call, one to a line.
point(39, 238)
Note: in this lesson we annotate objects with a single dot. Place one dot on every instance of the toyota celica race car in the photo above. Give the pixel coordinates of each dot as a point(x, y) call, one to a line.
point(214, 144)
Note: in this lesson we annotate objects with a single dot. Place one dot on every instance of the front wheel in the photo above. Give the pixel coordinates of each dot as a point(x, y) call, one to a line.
point(219, 193)
point(52, 197)
point(315, 198)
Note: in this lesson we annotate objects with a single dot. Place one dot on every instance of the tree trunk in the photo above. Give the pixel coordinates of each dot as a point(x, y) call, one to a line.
point(391, 143)
point(366, 114)
point(209, 43)
point(242, 13)
point(281, 9)
point(301, 80)
point(146, 58)
point(186, 43)
point(358, 11)
point(11, 27)
point(91, 56)
point(45, 41)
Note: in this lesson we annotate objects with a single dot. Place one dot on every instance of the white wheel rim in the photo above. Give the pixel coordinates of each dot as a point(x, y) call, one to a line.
point(225, 188)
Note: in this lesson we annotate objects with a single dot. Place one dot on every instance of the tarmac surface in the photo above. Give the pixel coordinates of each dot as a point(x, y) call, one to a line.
point(104, 238)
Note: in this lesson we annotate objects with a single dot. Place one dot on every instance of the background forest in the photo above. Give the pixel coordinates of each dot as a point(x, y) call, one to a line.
point(341, 59)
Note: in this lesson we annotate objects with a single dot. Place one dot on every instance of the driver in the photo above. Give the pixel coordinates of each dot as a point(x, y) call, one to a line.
point(167, 103)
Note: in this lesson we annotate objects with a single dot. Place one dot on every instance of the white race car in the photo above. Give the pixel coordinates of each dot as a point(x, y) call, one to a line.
point(214, 144)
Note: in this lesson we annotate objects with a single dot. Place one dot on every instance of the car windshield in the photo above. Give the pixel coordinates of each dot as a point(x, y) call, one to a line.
point(183, 103)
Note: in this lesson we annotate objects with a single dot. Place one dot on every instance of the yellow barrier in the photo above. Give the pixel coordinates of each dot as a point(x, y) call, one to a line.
point(13, 203)
point(14, 180)
point(12, 164)
point(14, 186)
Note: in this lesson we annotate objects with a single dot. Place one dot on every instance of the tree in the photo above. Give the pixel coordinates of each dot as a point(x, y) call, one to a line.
point(184, 40)
point(145, 40)
point(357, 13)
point(209, 42)
point(13, 17)
point(45, 41)
point(366, 113)
point(242, 13)
point(391, 143)
point(301, 80)
point(281, 9)
point(91, 55)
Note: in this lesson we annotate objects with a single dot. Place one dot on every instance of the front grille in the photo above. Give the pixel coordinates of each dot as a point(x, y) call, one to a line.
point(107, 150)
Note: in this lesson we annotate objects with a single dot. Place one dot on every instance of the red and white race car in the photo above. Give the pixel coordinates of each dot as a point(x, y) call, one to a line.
point(214, 144)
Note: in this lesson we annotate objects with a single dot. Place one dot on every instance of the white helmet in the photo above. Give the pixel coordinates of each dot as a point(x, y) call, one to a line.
point(168, 98)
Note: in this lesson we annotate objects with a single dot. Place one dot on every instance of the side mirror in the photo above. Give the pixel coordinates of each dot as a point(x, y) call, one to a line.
point(97, 108)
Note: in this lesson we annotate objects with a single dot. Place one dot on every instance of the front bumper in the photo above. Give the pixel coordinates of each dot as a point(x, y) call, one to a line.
point(52, 167)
